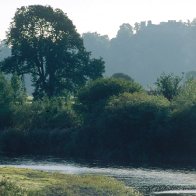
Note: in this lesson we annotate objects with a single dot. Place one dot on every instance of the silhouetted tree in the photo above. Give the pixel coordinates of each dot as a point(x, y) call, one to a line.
point(46, 45)
point(125, 31)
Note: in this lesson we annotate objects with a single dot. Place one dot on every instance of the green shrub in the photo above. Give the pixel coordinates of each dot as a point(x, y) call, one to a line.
point(47, 113)
point(130, 127)
point(102, 89)
point(168, 85)
point(187, 95)
point(6, 100)
point(184, 131)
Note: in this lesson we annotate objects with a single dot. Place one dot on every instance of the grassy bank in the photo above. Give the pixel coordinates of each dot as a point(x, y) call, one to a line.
point(26, 182)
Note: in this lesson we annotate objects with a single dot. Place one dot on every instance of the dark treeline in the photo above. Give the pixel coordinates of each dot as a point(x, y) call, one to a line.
point(110, 120)
point(75, 112)
point(145, 50)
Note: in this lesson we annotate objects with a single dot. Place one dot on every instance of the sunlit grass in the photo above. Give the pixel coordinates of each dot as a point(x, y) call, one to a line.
point(27, 182)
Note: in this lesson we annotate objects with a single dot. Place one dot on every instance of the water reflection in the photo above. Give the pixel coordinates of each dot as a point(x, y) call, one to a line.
point(147, 180)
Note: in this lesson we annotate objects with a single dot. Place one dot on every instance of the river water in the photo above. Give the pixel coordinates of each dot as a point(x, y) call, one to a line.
point(146, 180)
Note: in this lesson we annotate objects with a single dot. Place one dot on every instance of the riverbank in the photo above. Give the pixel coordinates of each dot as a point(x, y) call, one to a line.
point(31, 182)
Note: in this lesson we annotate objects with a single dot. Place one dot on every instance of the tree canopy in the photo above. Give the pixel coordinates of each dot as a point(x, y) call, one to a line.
point(122, 76)
point(45, 44)
point(102, 89)
point(168, 85)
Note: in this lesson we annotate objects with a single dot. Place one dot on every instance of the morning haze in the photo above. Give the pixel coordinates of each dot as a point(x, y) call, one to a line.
point(106, 88)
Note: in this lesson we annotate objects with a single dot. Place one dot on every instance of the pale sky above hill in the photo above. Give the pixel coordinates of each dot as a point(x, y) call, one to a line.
point(105, 16)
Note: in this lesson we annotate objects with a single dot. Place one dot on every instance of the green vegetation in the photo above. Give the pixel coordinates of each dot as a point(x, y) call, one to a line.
point(122, 76)
point(48, 47)
point(126, 128)
point(109, 119)
point(98, 91)
point(168, 85)
point(5, 101)
point(77, 113)
point(26, 182)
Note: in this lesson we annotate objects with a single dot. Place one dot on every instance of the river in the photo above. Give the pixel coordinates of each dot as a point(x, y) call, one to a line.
point(146, 180)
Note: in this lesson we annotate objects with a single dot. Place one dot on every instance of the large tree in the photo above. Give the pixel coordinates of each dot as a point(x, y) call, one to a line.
point(45, 44)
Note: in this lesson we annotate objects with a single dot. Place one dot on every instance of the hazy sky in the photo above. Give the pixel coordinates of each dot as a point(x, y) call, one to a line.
point(105, 16)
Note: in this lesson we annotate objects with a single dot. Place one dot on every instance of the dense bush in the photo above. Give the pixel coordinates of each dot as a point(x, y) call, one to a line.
point(187, 96)
point(102, 89)
point(46, 114)
point(6, 99)
point(36, 141)
point(136, 123)
point(129, 127)
point(12, 94)
point(111, 119)
point(184, 121)
point(40, 127)
point(13, 141)
point(184, 132)
point(92, 98)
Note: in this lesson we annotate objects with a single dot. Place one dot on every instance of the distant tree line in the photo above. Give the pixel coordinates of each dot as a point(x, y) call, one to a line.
point(142, 51)
point(145, 50)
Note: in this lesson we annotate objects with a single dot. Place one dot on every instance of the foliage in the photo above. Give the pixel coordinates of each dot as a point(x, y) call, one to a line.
point(122, 76)
point(183, 132)
point(125, 32)
point(6, 99)
point(129, 128)
point(136, 112)
point(145, 54)
point(48, 114)
point(19, 94)
point(111, 120)
point(30, 182)
point(184, 120)
point(11, 94)
point(187, 96)
point(39, 127)
point(130, 125)
point(190, 75)
point(168, 85)
point(108, 118)
point(46, 45)
point(102, 89)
